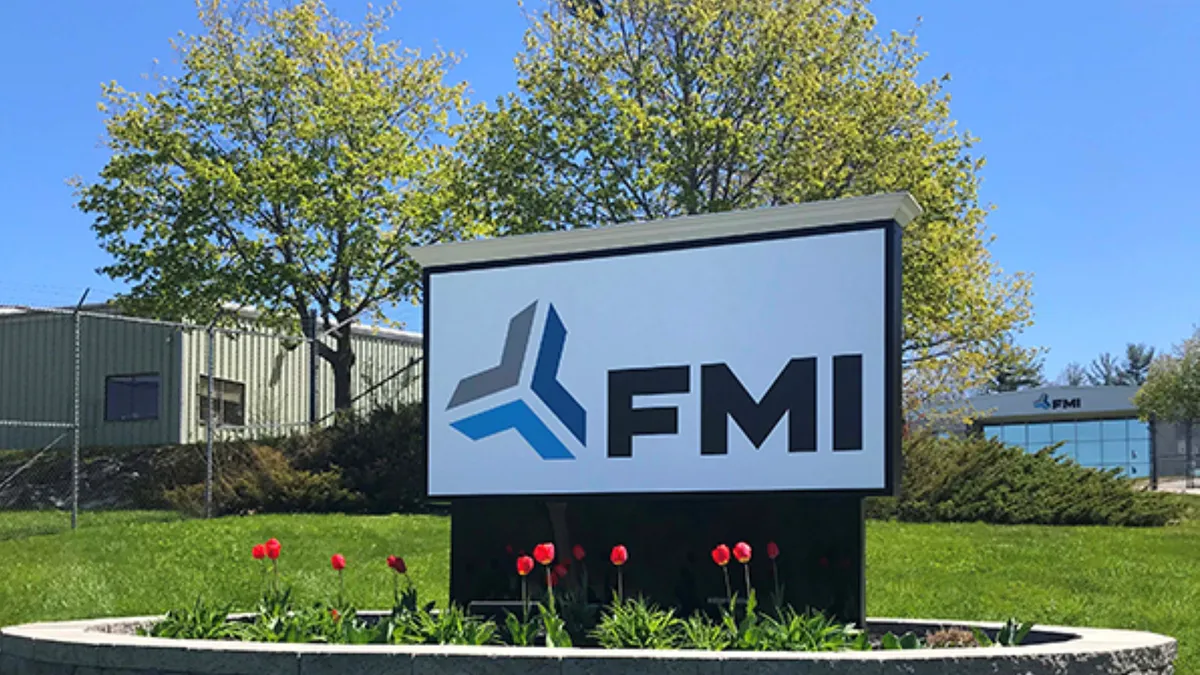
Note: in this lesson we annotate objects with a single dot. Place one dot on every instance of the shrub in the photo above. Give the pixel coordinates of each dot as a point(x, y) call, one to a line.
point(967, 479)
point(380, 457)
point(259, 479)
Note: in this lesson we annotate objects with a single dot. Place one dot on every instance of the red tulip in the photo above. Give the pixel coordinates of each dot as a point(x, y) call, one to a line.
point(524, 565)
point(560, 570)
point(397, 564)
point(338, 561)
point(720, 555)
point(335, 614)
point(741, 551)
point(772, 550)
point(259, 551)
point(578, 552)
point(273, 547)
point(544, 553)
point(619, 555)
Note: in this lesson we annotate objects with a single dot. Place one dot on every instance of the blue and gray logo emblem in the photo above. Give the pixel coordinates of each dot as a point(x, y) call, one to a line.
point(1042, 402)
point(517, 415)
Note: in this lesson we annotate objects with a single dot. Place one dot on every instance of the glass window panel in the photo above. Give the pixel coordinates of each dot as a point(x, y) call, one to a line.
point(1087, 431)
point(1139, 429)
point(1139, 449)
point(1113, 430)
point(1039, 435)
point(1062, 431)
point(1013, 433)
point(1088, 453)
point(1115, 452)
point(131, 397)
point(992, 431)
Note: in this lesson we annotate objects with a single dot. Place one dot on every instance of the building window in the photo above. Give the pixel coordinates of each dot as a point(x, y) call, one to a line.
point(129, 398)
point(1122, 444)
point(229, 402)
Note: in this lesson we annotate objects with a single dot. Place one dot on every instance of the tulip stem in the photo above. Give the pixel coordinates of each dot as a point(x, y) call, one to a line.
point(620, 584)
point(775, 577)
point(728, 586)
point(341, 589)
point(746, 567)
point(524, 600)
point(550, 588)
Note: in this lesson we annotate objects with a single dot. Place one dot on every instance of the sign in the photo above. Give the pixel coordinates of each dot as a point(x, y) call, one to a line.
point(745, 352)
point(1044, 402)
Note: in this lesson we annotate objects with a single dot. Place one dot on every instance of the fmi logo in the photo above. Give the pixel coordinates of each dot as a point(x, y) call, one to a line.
point(722, 398)
point(1044, 402)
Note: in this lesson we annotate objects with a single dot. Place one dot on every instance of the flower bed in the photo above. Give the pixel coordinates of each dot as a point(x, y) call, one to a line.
point(557, 614)
point(111, 647)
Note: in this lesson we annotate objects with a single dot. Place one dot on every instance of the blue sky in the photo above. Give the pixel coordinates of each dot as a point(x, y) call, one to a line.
point(1086, 111)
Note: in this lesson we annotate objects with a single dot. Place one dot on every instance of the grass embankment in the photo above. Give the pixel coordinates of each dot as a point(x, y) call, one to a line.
point(145, 563)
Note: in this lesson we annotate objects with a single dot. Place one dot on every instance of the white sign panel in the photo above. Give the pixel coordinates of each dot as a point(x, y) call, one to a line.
point(710, 367)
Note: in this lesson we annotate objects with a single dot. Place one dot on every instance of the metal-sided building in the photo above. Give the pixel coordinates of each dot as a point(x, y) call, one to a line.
point(1099, 428)
point(146, 383)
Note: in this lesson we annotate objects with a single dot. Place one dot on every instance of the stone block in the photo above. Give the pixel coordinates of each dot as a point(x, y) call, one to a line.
point(497, 661)
point(368, 663)
point(645, 663)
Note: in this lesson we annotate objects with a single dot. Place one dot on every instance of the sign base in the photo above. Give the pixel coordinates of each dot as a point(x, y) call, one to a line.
point(669, 540)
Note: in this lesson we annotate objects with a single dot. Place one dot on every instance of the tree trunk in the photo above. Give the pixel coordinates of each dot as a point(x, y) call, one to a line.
point(343, 367)
point(341, 359)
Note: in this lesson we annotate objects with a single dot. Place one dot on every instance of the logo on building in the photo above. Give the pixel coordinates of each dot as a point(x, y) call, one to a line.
point(517, 415)
point(1044, 402)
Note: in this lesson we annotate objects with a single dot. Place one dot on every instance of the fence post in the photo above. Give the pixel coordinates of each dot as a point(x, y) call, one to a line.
point(75, 415)
point(208, 425)
point(310, 333)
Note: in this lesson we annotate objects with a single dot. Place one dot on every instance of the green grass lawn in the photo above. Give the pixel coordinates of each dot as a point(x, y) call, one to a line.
point(144, 563)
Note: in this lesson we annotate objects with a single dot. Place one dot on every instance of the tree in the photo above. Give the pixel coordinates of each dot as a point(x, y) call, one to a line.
point(1074, 375)
point(287, 166)
point(1105, 371)
point(1172, 390)
point(1013, 368)
point(1138, 358)
point(663, 108)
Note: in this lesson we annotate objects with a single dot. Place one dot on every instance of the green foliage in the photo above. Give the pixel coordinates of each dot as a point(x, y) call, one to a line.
point(662, 108)
point(202, 621)
point(379, 458)
point(262, 480)
point(450, 626)
point(633, 623)
point(699, 632)
point(1012, 368)
point(745, 632)
point(808, 632)
point(976, 479)
point(1172, 389)
point(554, 627)
point(288, 166)
point(1012, 634)
point(906, 641)
point(1105, 371)
point(1138, 358)
point(521, 632)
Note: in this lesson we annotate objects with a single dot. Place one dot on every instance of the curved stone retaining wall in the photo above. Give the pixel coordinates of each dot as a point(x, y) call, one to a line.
point(108, 647)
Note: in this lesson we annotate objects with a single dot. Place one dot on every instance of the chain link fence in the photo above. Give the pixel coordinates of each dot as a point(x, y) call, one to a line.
point(101, 411)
